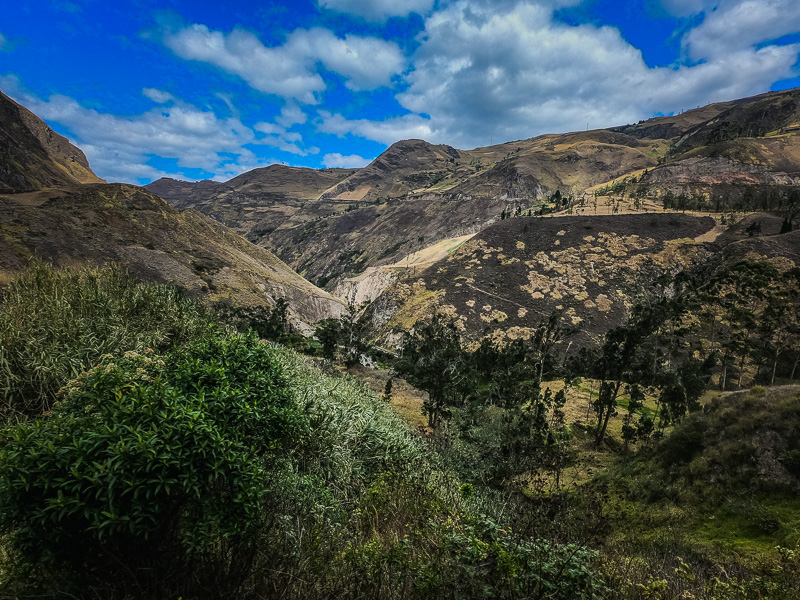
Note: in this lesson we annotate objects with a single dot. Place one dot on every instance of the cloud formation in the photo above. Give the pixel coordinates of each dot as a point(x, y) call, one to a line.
point(378, 10)
point(504, 71)
point(336, 160)
point(737, 25)
point(119, 147)
point(386, 132)
point(479, 71)
point(290, 70)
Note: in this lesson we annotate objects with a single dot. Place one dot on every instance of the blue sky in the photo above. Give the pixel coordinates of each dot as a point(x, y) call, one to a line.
point(200, 89)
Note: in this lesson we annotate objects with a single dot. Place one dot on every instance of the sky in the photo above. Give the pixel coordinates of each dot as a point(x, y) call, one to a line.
point(200, 89)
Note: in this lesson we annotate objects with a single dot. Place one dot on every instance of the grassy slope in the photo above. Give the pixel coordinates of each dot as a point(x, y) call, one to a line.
point(504, 281)
point(722, 480)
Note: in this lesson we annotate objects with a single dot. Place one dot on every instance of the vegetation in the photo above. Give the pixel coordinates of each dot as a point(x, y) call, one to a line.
point(208, 464)
point(343, 338)
point(227, 468)
point(57, 323)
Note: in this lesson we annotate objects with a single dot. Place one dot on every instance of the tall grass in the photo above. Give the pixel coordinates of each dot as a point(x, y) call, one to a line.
point(354, 505)
point(57, 323)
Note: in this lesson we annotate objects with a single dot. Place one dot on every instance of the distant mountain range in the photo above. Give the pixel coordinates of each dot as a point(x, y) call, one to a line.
point(335, 223)
point(496, 237)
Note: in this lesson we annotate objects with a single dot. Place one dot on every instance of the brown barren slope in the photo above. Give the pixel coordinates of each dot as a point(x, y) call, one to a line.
point(33, 156)
point(126, 224)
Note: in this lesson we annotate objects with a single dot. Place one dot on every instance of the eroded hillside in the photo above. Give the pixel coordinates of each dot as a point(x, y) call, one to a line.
point(33, 156)
point(416, 194)
point(506, 280)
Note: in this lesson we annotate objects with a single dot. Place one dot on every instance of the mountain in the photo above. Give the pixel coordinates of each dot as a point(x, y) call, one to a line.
point(33, 156)
point(416, 194)
point(52, 206)
point(751, 145)
point(115, 222)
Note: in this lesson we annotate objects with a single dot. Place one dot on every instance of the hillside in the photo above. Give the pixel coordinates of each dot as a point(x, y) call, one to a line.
point(416, 193)
point(259, 201)
point(33, 156)
point(507, 279)
point(98, 223)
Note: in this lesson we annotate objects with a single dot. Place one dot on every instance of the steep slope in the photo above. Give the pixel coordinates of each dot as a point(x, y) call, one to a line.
point(750, 145)
point(413, 194)
point(33, 156)
point(114, 222)
point(404, 167)
point(256, 202)
point(507, 279)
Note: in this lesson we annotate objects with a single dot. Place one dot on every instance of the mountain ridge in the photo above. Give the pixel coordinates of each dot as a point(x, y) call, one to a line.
point(416, 193)
point(33, 156)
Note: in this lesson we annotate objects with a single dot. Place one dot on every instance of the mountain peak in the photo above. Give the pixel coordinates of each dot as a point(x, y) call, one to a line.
point(33, 156)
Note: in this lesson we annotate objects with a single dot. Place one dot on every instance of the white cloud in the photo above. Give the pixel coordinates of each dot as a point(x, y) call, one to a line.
point(336, 160)
point(291, 114)
point(741, 24)
point(385, 132)
point(277, 136)
point(378, 10)
point(158, 96)
point(496, 71)
point(290, 70)
point(119, 147)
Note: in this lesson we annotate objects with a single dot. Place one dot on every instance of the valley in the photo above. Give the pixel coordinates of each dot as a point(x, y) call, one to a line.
point(561, 367)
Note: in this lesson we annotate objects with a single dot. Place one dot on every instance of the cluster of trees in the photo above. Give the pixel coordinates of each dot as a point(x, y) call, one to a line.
point(488, 405)
point(343, 338)
point(685, 202)
point(740, 323)
point(783, 200)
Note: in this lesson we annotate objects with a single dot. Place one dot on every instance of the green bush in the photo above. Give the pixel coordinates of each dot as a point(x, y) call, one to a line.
point(164, 466)
point(57, 323)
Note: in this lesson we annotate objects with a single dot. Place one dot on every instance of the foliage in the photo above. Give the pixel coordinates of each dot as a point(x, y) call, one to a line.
point(147, 457)
point(57, 323)
point(507, 446)
point(433, 360)
point(343, 338)
point(200, 474)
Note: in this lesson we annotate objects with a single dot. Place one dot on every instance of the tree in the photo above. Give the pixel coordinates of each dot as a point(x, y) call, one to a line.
point(328, 333)
point(432, 360)
point(779, 325)
point(626, 356)
point(343, 337)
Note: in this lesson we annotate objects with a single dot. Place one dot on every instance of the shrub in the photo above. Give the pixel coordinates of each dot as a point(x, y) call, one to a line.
point(161, 466)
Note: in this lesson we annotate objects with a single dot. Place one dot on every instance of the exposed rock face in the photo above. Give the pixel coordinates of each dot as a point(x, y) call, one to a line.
point(365, 288)
point(718, 170)
point(33, 156)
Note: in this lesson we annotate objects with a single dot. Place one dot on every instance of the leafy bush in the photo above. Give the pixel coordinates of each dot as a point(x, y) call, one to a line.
point(163, 466)
point(57, 323)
